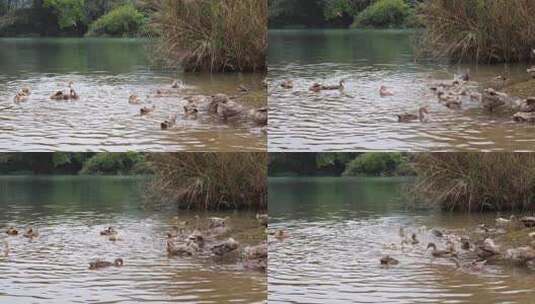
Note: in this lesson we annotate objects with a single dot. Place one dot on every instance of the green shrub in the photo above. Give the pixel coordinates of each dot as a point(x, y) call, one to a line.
point(377, 164)
point(383, 13)
point(116, 163)
point(124, 20)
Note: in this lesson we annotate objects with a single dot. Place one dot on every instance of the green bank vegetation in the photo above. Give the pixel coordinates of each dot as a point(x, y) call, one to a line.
point(72, 17)
point(343, 13)
point(340, 164)
point(73, 163)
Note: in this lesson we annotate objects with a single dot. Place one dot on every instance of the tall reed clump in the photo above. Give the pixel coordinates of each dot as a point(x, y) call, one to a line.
point(485, 31)
point(212, 35)
point(210, 181)
point(477, 181)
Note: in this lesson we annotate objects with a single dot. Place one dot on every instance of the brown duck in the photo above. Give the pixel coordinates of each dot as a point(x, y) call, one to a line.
point(99, 264)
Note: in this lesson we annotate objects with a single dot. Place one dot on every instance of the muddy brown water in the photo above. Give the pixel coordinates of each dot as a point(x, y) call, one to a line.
point(69, 212)
point(339, 229)
point(358, 119)
point(105, 73)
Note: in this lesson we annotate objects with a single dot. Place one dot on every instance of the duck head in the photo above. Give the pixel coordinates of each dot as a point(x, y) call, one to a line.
point(119, 262)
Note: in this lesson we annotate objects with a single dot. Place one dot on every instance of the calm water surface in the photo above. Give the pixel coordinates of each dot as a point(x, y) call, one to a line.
point(340, 228)
point(359, 119)
point(69, 212)
point(105, 73)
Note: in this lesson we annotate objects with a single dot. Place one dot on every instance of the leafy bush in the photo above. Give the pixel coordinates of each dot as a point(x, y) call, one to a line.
point(383, 13)
point(69, 12)
point(124, 20)
point(378, 164)
point(116, 163)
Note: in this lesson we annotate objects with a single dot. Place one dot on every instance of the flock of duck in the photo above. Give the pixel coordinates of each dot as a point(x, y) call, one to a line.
point(222, 106)
point(187, 240)
point(452, 94)
point(471, 255)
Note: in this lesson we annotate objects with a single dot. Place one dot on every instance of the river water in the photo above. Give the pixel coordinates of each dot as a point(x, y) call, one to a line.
point(359, 119)
point(69, 212)
point(339, 228)
point(105, 73)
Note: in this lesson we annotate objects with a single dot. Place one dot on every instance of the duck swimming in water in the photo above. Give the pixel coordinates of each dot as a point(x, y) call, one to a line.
point(260, 116)
point(31, 233)
point(175, 84)
point(188, 249)
point(263, 219)
point(99, 264)
point(12, 231)
point(147, 110)
point(169, 122)
point(134, 99)
point(340, 86)
point(440, 253)
point(225, 247)
point(58, 96)
point(108, 231)
point(316, 87)
point(384, 92)
point(281, 234)
point(388, 261)
point(407, 117)
point(287, 84)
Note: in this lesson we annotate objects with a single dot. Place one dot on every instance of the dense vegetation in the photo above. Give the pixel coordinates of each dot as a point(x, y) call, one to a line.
point(343, 13)
point(210, 180)
point(71, 17)
point(73, 163)
point(337, 164)
point(477, 181)
point(480, 30)
point(212, 35)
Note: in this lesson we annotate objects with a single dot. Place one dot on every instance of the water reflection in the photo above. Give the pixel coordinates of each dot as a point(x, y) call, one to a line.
point(105, 73)
point(69, 212)
point(359, 119)
point(339, 228)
